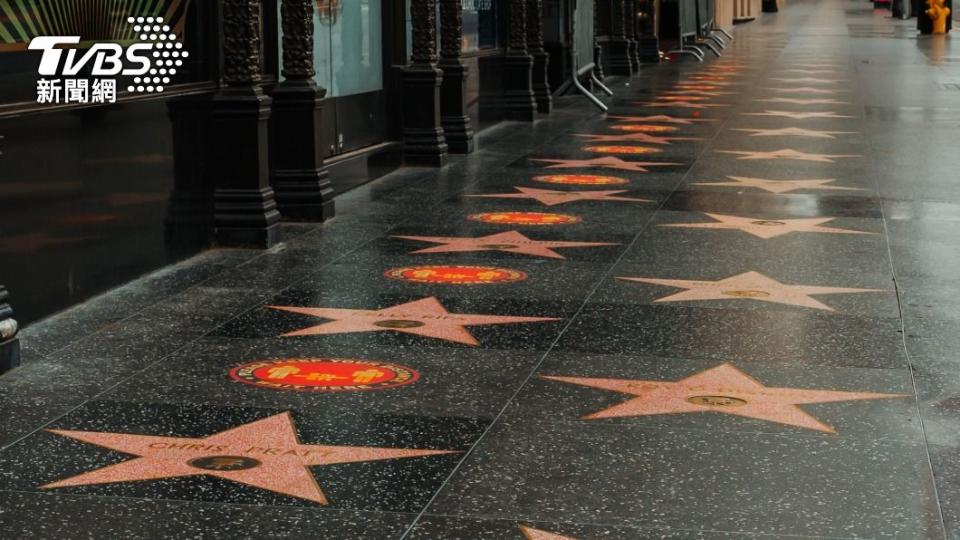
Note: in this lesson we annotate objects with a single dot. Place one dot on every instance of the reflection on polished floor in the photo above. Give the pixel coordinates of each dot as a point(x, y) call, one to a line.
point(727, 309)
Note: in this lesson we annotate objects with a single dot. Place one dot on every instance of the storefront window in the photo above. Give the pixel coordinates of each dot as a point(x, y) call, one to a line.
point(94, 21)
point(479, 25)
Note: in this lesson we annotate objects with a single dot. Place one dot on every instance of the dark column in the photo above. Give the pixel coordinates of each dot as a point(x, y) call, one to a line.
point(423, 138)
point(541, 60)
point(453, 90)
point(9, 342)
point(649, 43)
point(518, 68)
point(598, 30)
point(631, 25)
point(300, 181)
point(619, 47)
point(246, 212)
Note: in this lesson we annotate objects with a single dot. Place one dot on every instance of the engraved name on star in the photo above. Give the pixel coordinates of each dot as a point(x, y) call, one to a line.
point(806, 101)
point(766, 228)
point(794, 132)
point(425, 317)
point(658, 119)
point(780, 186)
point(529, 533)
point(265, 454)
point(634, 137)
point(507, 242)
point(606, 162)
point(798, 115)
point(788, 154)
point(748, 286)
point(550, 197)
point(722, 389)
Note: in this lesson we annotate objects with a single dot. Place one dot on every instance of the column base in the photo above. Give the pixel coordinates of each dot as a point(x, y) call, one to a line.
point(541, 82)
point(302, 190)
point(618, 57)
point(9, 355)
point(246, 217)
point(424, 142)
point(453, 114)
point(518, 100)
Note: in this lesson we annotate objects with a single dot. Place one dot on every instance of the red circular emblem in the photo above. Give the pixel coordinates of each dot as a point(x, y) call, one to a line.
point(581, 179)
point(323, 375)
point(620, 149)
point(644, 128)
point(457, 275)
point(525, 218)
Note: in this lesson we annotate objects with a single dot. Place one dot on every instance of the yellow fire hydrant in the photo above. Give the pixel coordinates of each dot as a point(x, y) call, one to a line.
point(939, 14)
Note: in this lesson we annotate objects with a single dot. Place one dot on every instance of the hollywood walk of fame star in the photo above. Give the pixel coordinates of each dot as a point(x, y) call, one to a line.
point(425, 317)
point(658, 118)
point(681, 98)
point(749, 286)
point(634, 137)
point(805, 90)
point(265, 453)
point(508, 242)
point(780, 186)
point(794, 132)
point(606, 162)
point(536, 534)
point(721, 389)
point(811, 101)
point(766, 228)
point(809, 71)
point(799, 115)
point(679, 104)
point(550, 197)
point(697, 93)
point(809, 80)
point(787, 153)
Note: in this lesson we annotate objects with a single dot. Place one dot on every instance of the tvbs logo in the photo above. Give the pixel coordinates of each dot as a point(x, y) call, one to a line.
point(150, 62)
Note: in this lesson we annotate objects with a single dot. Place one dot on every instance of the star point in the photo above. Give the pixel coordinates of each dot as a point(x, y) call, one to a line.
point(529, 533)
point(425, 318)
point(634, 137)
point(793, 132)
point(805, 90)
point(722, 389)
point(747, 286)
point(550, 197)
point(811, 80)
point(799, 115)
point(266, 454)
point(658, 118)
point(765, 228)
point(808, 101)
point(507, 242)
point(606, 162)
point(780, 186)
point(680, 104)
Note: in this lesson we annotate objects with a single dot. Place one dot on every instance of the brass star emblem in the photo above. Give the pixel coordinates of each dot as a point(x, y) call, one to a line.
point(748, 286)
point(799, 115)
point(722, 389)
point(606, 162)
point(794, 132)
point(766, 228)
point(780, 186)
point(550, 197)
point(788, 154)
point(507, 242)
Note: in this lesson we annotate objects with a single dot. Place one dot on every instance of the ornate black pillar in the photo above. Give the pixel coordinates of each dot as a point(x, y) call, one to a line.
point(619, 47)
point(423, 138)
point(453, 90)
point(631, 25)
point(9, 342)
point(303, 191)
point(245, 209)
point(519, 102)
point(646, 26)
point(598, 30)
point(541, 59)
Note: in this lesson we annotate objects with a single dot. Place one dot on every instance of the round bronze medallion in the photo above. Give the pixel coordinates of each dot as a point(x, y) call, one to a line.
point(746, 294)
point(716, 401)
point(399, 323)
point(224, 463)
